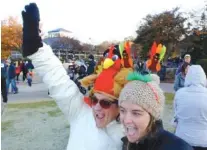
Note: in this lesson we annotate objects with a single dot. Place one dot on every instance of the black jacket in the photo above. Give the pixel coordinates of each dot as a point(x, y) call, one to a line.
point(11, 72)
point(91, 67)
point(162, 140)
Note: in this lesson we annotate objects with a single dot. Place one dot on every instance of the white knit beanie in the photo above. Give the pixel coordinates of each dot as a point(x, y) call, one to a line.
point(148, 95)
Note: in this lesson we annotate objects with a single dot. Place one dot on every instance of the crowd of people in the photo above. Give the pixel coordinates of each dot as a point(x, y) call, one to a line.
point(10, 72)
point(80, 69)
point(141, 116)
point(190, 107)
point(124, 107)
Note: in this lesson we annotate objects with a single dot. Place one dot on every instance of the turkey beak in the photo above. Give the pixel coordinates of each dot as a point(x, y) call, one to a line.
point(108, 63)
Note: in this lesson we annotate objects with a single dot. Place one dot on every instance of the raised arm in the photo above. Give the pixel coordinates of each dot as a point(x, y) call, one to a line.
point(48, 66)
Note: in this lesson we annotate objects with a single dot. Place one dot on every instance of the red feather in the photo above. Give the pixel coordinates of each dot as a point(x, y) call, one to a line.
point(111, 51)
point(127, 48)
point(153, 50)
point(105, 81)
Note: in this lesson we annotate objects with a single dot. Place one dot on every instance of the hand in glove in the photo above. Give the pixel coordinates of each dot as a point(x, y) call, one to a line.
point(31, 38)
point(82, 89)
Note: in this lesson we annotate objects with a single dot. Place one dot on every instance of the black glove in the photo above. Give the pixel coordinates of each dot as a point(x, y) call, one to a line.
point(82, 89)
point(31, 38)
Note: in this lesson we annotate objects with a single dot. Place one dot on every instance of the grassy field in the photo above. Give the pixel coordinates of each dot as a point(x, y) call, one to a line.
point(42, 126)
point(169, 98)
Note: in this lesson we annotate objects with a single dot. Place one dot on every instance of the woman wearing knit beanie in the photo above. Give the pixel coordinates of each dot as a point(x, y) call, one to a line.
point(141, 104)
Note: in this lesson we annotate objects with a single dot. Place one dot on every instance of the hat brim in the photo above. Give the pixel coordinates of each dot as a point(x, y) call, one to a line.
point(113, 98)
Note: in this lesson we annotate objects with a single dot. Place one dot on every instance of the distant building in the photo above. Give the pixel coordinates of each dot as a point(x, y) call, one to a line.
point(54, 35)
point(60, 32)
point(16, 55)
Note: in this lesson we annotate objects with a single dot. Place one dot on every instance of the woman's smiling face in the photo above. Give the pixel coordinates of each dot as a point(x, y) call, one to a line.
point(135, 120)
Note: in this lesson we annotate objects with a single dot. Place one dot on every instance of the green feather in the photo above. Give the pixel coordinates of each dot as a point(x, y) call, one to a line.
point(137, 76)
point(162, 53)
point(121, 48)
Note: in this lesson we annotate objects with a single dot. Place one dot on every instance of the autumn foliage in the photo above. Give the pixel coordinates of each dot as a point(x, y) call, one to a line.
point(11, 36)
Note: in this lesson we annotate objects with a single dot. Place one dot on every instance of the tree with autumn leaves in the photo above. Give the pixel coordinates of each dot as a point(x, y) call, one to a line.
point(174, 29)
point(11, 36)
point(166, 27)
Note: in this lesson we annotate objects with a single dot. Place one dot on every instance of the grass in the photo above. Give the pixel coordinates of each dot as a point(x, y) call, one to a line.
point(33, 105)
point(54, 113)
point(6, 125)
point(169, 100)
point(169, 97)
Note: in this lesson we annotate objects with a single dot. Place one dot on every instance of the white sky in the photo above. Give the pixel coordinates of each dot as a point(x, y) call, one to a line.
point(99, 20)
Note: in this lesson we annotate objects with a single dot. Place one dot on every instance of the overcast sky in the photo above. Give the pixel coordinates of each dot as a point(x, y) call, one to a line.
point(99, 20)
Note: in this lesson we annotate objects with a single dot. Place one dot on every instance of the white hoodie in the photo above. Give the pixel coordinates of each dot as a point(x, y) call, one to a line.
point(190, 106)
point(84, 135)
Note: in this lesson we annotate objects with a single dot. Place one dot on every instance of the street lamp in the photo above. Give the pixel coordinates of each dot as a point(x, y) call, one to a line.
point(92, 47)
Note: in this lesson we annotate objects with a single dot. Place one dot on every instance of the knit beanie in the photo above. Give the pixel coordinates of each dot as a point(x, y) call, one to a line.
point(144, 91)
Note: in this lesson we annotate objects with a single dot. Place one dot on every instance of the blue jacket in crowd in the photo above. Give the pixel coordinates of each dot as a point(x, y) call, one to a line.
point(11, 71)
point(29, 66)
point(91, 67)
point(179, 81)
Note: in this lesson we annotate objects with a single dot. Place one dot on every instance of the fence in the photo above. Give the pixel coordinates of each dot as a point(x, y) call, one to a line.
point(68, 54)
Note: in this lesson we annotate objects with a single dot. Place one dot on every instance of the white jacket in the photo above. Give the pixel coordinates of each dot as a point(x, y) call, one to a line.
point(84, 135)
point(190, 106)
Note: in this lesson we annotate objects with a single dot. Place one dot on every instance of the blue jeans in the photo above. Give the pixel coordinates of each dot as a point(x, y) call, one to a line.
point(29, 80)
point(13, 85)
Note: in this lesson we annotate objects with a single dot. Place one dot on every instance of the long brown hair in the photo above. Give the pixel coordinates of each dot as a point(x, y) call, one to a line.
point(184, 66)
point(152, 127)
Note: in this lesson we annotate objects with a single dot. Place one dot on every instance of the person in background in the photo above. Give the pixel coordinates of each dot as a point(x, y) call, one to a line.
point(24, 71)
point(71, 71)
point(141, 103)
point(11, 78)
point(3, 85)
point(18, 70)
point(162, 72)
point(180, 78)
point(29, 65)
point(29, 77)
point(81, 72)
point(187, 59)
point(91, 65)
point(190, 109)
point(76, 74)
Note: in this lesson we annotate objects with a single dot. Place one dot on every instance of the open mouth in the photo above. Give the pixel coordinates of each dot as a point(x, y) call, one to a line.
point(130, 131)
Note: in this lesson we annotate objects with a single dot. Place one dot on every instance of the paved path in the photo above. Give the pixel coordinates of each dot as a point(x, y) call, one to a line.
point(167, 87)
point(39, 91)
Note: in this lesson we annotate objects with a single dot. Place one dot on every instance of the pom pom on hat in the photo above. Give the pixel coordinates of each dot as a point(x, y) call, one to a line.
point(155, 78)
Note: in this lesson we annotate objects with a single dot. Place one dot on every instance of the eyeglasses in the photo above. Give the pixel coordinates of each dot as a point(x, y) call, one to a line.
point(106, 104)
